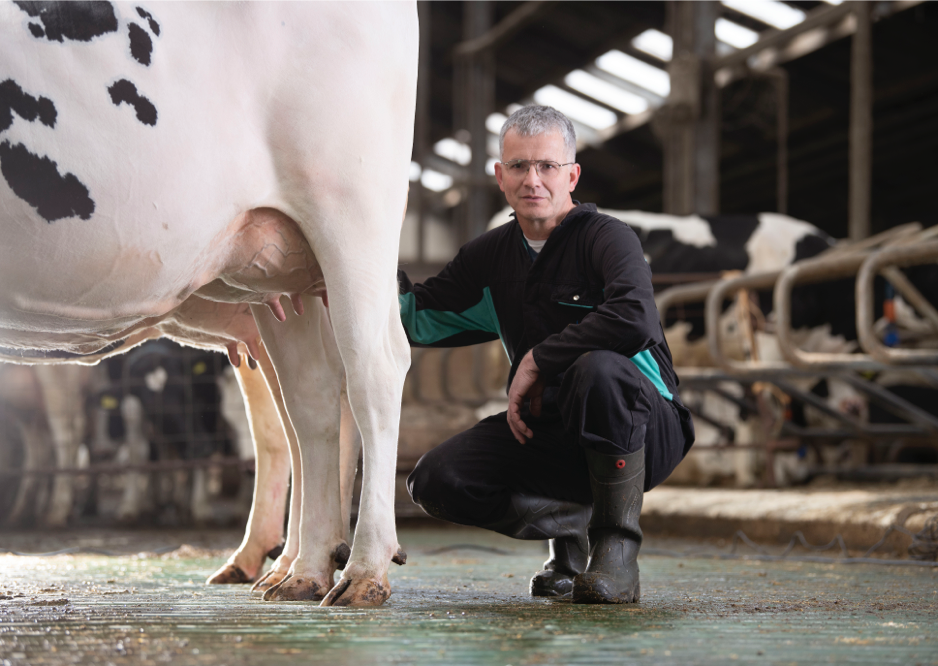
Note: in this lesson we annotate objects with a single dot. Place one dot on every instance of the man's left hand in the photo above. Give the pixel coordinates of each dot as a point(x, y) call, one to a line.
point(527, 383)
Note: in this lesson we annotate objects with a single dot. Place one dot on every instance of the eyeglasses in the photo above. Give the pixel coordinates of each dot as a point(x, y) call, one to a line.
point(544, 168)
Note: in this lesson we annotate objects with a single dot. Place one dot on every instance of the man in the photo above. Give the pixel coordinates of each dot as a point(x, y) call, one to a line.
point(593, 417)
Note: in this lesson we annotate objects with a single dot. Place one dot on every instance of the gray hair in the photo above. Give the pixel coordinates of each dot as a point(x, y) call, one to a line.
point(533, 120)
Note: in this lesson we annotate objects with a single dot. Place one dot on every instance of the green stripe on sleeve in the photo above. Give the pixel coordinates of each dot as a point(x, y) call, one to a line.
point(429, 326)
point(648, 366)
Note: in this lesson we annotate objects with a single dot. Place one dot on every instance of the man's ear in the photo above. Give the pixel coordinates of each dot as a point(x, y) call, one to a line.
point(574, 177)
point(499, 174)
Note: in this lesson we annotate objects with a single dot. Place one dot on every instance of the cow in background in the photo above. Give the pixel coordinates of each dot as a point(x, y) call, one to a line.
point(163, 178)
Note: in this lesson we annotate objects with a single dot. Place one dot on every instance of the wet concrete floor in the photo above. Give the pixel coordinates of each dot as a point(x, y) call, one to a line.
point(461, 599)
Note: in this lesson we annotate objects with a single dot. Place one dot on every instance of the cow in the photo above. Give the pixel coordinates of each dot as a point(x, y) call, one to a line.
point(193, 171)
point(716, 243)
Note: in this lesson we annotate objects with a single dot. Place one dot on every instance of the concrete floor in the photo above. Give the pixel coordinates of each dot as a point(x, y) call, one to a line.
point(461, 599)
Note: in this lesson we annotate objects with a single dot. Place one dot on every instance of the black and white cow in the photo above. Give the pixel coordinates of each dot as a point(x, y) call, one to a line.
point(717, 243)
point(187, 170)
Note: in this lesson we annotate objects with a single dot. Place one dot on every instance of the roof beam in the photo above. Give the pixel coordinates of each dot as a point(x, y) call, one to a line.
point(831, 24)
point(501, 32)
point(819, 18)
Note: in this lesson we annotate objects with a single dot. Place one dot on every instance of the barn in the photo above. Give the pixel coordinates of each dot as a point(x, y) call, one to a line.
point(223, 440)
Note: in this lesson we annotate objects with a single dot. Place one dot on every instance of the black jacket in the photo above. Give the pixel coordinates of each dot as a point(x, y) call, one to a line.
point(588, 289)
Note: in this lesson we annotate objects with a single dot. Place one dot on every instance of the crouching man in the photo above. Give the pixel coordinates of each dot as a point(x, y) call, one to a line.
point(593, 416)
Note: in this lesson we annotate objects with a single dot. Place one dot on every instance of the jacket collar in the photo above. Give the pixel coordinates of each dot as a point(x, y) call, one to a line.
point(575, 212)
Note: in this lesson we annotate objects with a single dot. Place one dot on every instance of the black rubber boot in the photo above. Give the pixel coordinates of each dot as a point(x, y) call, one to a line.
point(564, 523)
point(611, 575)
point(567, 559)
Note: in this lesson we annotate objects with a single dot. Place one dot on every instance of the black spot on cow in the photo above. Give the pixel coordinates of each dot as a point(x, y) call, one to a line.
point(732, 230)
point(141, 46)
point(811, 245)
point(154, 26)
point(37, 30)
point(821, 389)
point(78, 21)
point(27, 107)
point(125, 92)
point(666, 254)
point(37, 181)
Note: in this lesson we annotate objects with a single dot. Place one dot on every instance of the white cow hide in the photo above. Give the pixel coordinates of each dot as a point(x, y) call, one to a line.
point(260, 150)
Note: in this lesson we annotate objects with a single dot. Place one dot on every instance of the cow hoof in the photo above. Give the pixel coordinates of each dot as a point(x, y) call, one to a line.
point(297, 588)
point(230, 574)
point(358, 592)
point(267, 581)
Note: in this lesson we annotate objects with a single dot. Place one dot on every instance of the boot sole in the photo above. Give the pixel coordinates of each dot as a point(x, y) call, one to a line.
point(551, 584)
point(593, 589)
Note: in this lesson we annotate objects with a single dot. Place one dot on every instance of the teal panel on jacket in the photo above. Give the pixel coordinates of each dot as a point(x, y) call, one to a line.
point(648, 366)
point(429, 326)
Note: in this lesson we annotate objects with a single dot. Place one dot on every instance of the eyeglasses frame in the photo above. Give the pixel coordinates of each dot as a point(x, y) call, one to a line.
point(534, 163)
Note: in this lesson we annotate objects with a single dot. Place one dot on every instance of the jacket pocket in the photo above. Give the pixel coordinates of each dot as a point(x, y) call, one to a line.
point(577, 296)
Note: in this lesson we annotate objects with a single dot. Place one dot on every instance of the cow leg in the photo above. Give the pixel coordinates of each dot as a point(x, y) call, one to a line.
point(37, 449)
point(350, 445)
point(65, 411)
point(366, 320)
point(291, 546)
point(349, 449)
point(138, 453)
point(200, 503)
point(264, 530)
point(309, 369)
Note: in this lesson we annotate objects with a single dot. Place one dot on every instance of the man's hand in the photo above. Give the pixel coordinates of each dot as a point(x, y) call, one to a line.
point(526, 384)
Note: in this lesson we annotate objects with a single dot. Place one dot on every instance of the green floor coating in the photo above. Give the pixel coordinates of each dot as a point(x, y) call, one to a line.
point(464, 606)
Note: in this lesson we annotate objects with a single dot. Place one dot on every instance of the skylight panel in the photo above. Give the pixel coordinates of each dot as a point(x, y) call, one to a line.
point(605, 92)
point(634, 70)
point(734, 34)
point(490, 166)
point(414, 172)
point(436, 181)
point(656, 43)
point(577, 108)
point(771, 12)
point(494, 122)
point(454, 151)
point(833, 2)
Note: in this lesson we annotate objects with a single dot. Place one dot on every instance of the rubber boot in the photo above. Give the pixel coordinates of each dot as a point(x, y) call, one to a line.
point(535, 518)
point(611, 575)
point(567, 559)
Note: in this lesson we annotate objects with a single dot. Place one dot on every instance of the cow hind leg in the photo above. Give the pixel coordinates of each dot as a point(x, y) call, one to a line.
point(350, 446)
point(264, 532)
point(366, 319)
point(309, 369)
point(291, 546)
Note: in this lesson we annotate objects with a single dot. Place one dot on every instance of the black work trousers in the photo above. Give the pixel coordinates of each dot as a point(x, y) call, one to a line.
point(603, 403)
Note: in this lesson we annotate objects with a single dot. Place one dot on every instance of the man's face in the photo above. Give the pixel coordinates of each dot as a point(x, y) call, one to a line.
point(535, 197)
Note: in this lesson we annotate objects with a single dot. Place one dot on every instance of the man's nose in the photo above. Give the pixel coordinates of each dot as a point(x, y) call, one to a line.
point(532, 177)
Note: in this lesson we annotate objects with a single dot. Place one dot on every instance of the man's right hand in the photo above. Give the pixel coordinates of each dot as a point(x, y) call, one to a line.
point(527, 383)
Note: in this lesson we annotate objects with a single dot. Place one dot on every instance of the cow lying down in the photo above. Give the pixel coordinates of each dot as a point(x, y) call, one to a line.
point(205, 172)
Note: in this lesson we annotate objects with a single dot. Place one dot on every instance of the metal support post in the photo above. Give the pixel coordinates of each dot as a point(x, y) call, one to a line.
point(861, 122)
point(780, 79)
point(475, 91)
point(691, 127)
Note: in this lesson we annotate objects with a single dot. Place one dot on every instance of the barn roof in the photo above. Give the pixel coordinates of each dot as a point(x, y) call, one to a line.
point(603, 56)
